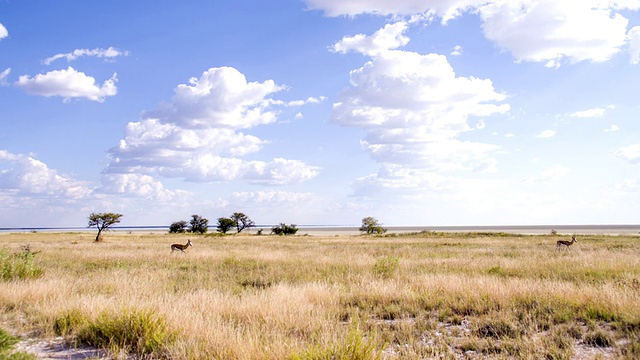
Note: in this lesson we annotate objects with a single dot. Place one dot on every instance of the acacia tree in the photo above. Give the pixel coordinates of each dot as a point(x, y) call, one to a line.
point(370, 225)
point(103, 221)
point(242, 221)
point(198, 224)
point(225, 224)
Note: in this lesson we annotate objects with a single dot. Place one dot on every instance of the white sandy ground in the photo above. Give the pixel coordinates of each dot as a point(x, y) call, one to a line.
point(57, 348)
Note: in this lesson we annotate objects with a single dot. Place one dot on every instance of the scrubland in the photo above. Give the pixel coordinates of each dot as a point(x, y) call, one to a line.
point(413, 296)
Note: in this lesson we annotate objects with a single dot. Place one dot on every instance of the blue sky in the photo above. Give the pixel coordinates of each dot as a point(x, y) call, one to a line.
point(321, 112)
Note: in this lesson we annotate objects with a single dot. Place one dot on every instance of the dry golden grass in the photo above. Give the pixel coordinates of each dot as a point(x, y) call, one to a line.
point(312, 297)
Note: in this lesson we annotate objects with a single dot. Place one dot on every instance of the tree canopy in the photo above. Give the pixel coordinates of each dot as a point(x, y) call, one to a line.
point(199, 224)
point(178, 227)
point(103, 221)
point(225, 224)
point(242, 221)
point(370, 225)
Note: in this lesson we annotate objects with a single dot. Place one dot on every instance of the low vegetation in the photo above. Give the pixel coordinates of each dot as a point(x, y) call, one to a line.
point(416, 296)
point(284, 229)
point(7, 341)
point(19, 265)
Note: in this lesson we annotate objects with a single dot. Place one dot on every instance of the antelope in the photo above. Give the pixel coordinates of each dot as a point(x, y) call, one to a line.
point(560, 243)
point(176, 247)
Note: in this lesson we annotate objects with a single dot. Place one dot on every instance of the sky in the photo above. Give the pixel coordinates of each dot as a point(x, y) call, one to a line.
point(320, 112)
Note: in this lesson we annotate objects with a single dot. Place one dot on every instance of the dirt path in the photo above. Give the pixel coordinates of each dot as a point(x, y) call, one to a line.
point(57, 348)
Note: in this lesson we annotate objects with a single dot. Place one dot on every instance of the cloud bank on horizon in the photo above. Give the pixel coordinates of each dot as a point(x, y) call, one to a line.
point(447, 112)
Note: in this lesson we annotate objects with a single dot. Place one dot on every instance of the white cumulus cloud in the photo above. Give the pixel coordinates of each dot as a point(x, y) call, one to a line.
point(23, 174)
point(551, 31)
point(548, 31)
point(445, 9)
point(546, 134)
point(221, 97)
point(589, 113)
point(413, 107)
point(613, 128)
point(198, 135)
point(3, 32)
point(389, 37)
point(634, 44)
point(3, 76)
point(630, 153)
point(143, 186)
point(108, 54)
point(68, 84)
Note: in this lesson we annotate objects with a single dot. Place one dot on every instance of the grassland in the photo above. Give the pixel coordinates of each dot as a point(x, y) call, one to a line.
point(416, 296)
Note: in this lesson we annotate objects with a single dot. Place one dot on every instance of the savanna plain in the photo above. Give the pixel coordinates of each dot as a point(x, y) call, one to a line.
point(400, 296)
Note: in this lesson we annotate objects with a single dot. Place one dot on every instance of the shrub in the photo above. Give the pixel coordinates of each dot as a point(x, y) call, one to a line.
point(178, 227)
point(386, 266)
point(19, 266)
point(141, 332)
point(284, 229)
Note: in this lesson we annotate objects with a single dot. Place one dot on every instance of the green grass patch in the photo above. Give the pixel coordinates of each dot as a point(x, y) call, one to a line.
point(141, 332)
point(7, 341)
point(386, 266)
point(19, 266)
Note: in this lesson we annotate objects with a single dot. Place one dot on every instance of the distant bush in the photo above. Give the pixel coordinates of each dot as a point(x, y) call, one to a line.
point(19, 266)
point(284, 229)
point(178, 227)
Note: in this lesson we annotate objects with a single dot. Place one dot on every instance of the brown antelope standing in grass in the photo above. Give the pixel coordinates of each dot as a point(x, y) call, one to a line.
point(176, 247)
point(561, 243)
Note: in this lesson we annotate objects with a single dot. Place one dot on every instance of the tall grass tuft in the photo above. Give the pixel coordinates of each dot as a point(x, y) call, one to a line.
point(19, 266)
point(140, 332)
point(355, 346)
point(386, 266)
point(70, 323)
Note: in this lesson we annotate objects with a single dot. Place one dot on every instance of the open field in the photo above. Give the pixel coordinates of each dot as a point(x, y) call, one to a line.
point(410, 296)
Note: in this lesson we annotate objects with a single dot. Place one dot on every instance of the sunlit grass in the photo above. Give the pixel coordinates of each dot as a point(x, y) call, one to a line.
point(305, 297)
